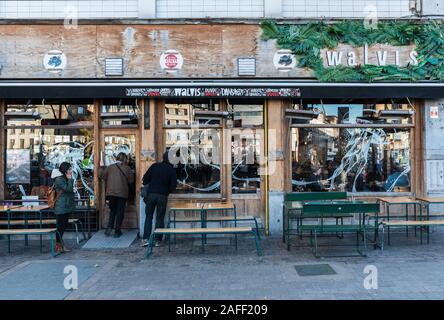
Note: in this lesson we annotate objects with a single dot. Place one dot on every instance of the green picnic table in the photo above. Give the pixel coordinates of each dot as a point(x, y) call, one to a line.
point(292, 209)
point(324, 211)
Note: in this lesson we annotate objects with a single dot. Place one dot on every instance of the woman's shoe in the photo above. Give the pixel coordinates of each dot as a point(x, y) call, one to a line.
point(58, 248)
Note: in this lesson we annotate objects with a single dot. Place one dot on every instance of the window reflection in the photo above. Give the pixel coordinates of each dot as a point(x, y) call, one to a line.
point(120, 112)
point(350, 159)
point(195, 156)
point(31, 156)
point(185, 114)
point(357, 113)
point(50, 113)
point(245, 158)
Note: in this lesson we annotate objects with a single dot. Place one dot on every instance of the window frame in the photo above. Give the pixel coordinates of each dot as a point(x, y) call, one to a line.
point(407, 126)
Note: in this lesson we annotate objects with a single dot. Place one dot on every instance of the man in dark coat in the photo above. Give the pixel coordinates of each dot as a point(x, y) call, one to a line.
point(161, 180)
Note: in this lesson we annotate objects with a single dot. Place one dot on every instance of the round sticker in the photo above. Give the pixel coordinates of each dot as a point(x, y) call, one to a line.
point(171, 61)
point(55, 61)
point(284, 60)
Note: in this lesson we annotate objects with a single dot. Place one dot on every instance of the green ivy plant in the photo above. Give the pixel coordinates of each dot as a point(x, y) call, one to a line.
point(306, 42)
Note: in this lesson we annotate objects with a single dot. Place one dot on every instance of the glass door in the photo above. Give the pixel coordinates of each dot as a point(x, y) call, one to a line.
point(112, 144)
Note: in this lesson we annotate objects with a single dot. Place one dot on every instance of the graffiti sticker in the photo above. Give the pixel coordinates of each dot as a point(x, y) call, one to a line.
point(55, 61)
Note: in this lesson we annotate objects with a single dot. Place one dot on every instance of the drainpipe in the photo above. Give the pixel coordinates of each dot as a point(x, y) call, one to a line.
point(267, 220)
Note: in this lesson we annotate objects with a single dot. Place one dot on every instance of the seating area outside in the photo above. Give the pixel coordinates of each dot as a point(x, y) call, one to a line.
point(203, 210)
point(326, 212)
point(319, 215)
point(37, 220)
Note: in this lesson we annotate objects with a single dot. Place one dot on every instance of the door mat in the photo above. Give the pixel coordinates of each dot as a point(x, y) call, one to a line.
point(100, 241)
point(314, 270)
point(43, 280)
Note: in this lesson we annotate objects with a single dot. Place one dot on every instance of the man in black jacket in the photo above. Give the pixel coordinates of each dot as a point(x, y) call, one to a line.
point(161, 180)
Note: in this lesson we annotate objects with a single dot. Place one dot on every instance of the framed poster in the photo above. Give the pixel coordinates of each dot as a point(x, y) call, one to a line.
point(18, 166)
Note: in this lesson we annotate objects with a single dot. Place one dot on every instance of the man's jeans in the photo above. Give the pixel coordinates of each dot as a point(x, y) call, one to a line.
point(159, 202)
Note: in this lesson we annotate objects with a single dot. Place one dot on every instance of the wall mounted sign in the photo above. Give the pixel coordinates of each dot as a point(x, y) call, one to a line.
point(213, 92)
point(396, 50)
point(434, 112)
point(378, 55)
point(284, 60)
point(55, 61)
point(171, 61)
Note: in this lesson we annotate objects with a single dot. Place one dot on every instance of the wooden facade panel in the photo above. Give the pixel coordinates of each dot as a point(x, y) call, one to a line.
point(209, 51)
point(23, 49)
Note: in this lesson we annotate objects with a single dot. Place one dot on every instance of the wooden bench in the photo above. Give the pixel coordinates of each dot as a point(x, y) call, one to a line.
point(410, 223)
point(217, 219)
point(15, 232)
point(203, 231)
point(36, 222)
point(293, 204)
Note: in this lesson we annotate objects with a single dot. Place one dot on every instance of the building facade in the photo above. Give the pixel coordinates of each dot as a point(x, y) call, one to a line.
point(249, 95)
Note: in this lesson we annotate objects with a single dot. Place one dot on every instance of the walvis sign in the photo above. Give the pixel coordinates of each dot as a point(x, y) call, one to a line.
point(378, 55)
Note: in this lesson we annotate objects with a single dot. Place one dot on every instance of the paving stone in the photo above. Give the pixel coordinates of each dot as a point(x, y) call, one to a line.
point(406, 270)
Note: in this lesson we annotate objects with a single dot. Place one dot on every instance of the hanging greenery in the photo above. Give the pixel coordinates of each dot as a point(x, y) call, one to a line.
point(306, 42)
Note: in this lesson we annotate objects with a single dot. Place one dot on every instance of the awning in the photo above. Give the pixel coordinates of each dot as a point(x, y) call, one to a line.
point(248, 88)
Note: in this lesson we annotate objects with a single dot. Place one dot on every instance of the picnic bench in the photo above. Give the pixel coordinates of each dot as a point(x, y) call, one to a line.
point(40, 232)
point(203, 209)
point(327, 210)
point(44, 222)
point(423, 224)
point(293, 206)
point(187, 231)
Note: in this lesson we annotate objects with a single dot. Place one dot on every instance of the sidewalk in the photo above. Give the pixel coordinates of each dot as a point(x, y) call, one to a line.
point(406, 270)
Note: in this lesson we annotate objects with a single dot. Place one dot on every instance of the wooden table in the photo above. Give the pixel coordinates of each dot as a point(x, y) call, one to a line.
point(428, 201)
point(203, 209)
point(25, 210)
point(390, 201)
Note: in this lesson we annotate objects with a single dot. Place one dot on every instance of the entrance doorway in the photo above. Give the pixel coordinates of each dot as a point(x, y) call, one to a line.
point(114, 142)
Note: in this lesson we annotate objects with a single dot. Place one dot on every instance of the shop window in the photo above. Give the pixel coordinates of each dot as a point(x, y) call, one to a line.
point(29, 164)
point(194, 154)
point(356, 113)
point(188, 112)
point(195, 151)
point(345, 153)
point(247, 115)
point(245, 159)
point(120, 113)
point(48, 113)
point(246, 144)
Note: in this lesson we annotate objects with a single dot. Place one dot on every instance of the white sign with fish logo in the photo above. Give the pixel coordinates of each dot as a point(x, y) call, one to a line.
point(55, 61)
point(284, 60)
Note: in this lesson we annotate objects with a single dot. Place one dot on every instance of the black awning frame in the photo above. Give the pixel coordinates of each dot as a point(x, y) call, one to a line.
point(103, 89)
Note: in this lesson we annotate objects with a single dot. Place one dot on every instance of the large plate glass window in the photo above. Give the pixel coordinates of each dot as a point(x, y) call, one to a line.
point(121, 112)
point(42, 136)
point(193, 140)
point(246, 145)
point(357, 147)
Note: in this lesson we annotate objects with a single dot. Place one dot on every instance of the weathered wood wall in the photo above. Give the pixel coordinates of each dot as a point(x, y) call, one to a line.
point(209, 51)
